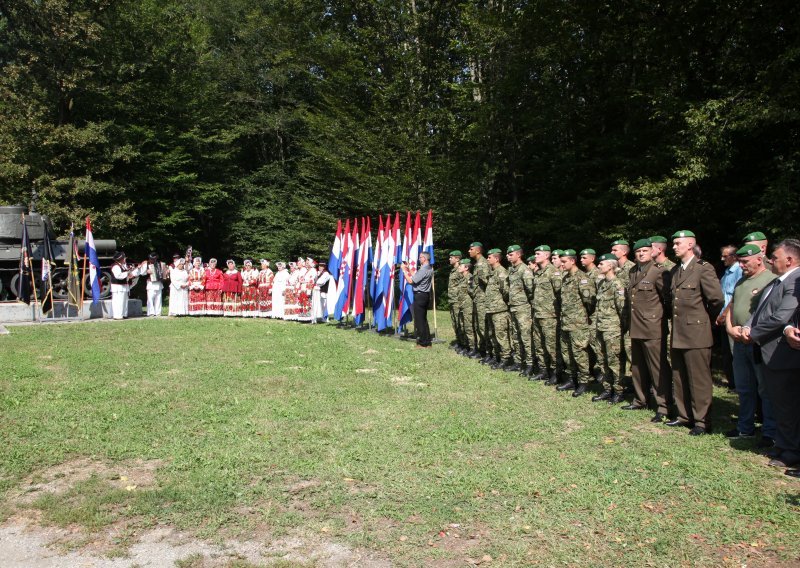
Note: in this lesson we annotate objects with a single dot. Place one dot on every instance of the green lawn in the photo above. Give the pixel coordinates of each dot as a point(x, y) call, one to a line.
point(420, 455)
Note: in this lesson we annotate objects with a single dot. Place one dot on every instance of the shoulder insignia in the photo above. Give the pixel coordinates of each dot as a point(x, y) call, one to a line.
point(621, 292)
point(701, 262)
point(584, 281)
point(755, 291)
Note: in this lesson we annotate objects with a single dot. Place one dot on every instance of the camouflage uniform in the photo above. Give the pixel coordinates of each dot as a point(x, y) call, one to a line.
point(520, 294)
point(577, 302)
point(481, 274)
point(546, 287)
point(455, 289)
point(466, 320)
point(624, 275)
point(610, 323)
point(595, 356)
point(497, 311)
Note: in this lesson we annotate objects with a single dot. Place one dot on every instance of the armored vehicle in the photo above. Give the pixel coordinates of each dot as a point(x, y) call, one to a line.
point(40, 228)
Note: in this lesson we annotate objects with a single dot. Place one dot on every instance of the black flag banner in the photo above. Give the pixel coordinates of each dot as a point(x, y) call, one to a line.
point(47, 272)
point(25, 278)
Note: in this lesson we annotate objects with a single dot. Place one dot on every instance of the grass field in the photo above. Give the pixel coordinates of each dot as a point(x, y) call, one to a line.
point(247, 428)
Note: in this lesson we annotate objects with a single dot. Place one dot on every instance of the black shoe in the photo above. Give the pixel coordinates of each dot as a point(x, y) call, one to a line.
point(677, 422)
point(605, 395)
point(628, 390)
point(565, 386)
point(582, 388)
point(698, 431)
point(738, 435)
point(617, 398)
point(553, 380)
point(632, 406)
point(658, 418)
point(792, 472)
point(765, 442)
point(512, 367)
point(486, 360)
point(474, 354)
point(540, 376)
point(495, 365)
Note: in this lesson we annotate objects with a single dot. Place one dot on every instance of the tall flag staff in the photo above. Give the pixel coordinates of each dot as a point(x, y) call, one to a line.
point(47, 273)
point(25, 280)
point(427, 246)
point(73, 286)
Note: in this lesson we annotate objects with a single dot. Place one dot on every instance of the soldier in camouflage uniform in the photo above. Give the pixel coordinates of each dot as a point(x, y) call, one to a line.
point(621, 249)
point(455, 285)
point(660, 258)
point(577, 304)
point(546, 288)
point(480, 274)
point(464, 305)
point(562, 349)
point(497, 311)
point(520, 294)
point(588, 256)
point(610, 322)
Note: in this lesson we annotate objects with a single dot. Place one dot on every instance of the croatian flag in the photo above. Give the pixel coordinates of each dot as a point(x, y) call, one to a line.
point(354, 242)
point(334, 261)
point(94, 263)
point(395, 251)
point(344, 274)
point(383, 278)
point(376, 261)
point(427, 246)
point(364, 254)
point(406, 291)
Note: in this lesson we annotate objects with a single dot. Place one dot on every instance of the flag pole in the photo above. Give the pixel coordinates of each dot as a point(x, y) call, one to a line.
point(33, 285)
point(83, 278)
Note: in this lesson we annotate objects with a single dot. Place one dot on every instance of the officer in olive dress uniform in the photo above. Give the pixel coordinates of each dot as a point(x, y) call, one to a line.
point(696, 302)
point(546, 287)
point(649, 293)
point(454, 282)
point(520, 295)
point(610, 319)
point(481, 274)
point(577, 305)
point(497, 312)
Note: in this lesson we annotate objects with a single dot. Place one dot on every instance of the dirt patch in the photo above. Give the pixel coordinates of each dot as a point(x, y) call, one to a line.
point(128, 475)
point(571, 426)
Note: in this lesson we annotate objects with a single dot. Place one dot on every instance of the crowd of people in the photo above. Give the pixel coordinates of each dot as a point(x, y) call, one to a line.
point(643, 328)
point(296, 291)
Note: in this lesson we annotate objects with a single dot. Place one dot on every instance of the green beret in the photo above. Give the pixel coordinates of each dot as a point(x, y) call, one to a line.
point(754, 236)
point(748, 250)
point(455, 253)
point(683, 233)
point(495, 251)
point(531, 258)
point(465, 261)
point(620, 242)
point(568, 252)
point(542, 248)
point(476, 244)
point(513, 248)
point(558, 252)
point(608, 256)
point(642, 243)
point(588, 251)
point(658, 239)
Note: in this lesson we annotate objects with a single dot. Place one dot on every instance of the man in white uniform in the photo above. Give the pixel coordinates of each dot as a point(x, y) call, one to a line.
point(121, 275)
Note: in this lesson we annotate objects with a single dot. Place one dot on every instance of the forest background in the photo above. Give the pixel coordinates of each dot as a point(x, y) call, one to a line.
point(247, 127)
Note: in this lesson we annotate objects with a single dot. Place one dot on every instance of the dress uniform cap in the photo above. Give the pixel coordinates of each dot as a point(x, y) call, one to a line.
point(608, 256)
point(620, 242)
point(588, 251)
point(754, 236)
point(495, 251)
point(642, 243)
point(513, 248)
point(748, 250)
point(465, 261)
point(658, 239)
point(545, 248)
point(683, 233)
point(476, 244)
point(531, 258)
point(455, 253)
point(558, 252)
point(568, 252)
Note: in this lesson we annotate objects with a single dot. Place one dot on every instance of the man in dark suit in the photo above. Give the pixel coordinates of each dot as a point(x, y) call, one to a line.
point(696, 302)
point(648, 294)
point(770, 327)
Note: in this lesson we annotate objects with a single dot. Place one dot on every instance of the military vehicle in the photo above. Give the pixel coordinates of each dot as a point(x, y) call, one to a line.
point(39, 228)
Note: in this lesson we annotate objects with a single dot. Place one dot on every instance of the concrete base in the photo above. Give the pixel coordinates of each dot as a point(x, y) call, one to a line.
point(19, 312)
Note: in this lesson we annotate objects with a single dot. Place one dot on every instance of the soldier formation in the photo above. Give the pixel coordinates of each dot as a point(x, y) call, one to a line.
point(645, 323)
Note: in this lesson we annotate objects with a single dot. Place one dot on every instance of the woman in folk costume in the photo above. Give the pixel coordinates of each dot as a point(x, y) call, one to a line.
point(308, 278)
point(265, 277)
point(290, 296)
point(232, 291)
point(197, 293)
point(213, 281)
point(319, 297)
point(249, 290)
point(279, 290)
point(179, 289)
